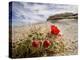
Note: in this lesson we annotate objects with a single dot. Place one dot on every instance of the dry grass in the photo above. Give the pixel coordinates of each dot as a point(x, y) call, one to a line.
point(21, 46)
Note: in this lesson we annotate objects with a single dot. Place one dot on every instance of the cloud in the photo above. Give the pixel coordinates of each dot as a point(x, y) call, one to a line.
point(25, 13)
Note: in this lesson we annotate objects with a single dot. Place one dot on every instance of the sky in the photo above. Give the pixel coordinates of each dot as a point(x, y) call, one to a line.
point(24, 13)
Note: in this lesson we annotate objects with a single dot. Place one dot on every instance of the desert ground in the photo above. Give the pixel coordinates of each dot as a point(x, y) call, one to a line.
point(68, 28)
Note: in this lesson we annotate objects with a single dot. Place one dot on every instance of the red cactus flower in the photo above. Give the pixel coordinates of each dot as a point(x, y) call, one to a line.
point(54, 30)
point(46, 43)
point(35, 43)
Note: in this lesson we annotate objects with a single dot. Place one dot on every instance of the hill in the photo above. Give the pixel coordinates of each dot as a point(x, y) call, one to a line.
point(63, 16)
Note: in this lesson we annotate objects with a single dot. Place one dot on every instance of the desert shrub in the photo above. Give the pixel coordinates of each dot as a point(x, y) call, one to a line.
point(24, 48)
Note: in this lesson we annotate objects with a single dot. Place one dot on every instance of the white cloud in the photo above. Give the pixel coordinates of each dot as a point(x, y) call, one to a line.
point(32, 12)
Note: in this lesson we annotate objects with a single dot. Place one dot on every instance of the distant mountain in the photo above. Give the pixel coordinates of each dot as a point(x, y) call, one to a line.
point(63, 16)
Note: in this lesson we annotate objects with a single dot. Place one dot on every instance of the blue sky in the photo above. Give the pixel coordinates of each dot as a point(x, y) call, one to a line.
point(28, 13)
